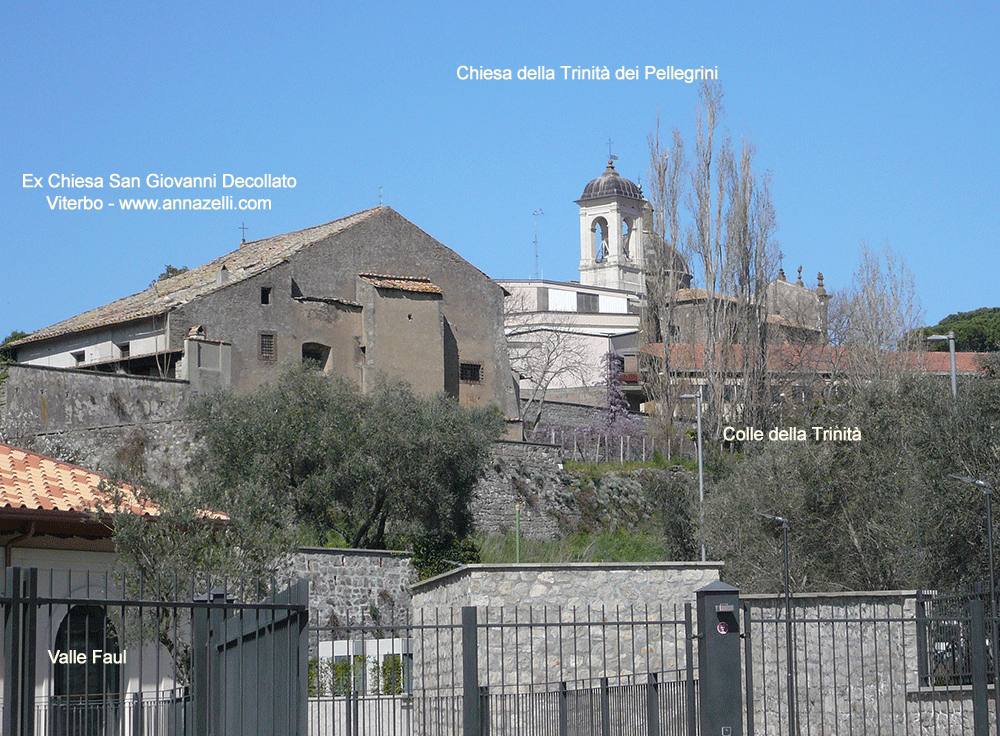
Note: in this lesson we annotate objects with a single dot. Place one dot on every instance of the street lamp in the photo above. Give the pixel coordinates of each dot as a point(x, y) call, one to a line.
point(988, 491)
point(950, 337)
point(789, 652)
point(701, 470)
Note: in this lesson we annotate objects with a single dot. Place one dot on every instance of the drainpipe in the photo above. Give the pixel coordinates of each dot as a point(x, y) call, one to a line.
point(6, 548)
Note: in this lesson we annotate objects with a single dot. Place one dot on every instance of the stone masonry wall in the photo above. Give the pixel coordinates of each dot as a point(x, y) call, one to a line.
point(351, 587)
point(554, 501)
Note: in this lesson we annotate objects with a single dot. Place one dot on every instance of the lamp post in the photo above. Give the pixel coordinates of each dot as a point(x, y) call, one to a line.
point(701, 469)
point(950, 337)
point(789, 652)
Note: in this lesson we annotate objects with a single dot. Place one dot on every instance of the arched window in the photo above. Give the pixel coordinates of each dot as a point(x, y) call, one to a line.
point(626, 235)
point(86, 680)
point(599, 238)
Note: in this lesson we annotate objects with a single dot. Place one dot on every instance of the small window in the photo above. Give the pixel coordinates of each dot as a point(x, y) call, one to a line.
point(268, 351)
point(78, 356)
point(471, 372)
point(123, 350)
point(265, 295)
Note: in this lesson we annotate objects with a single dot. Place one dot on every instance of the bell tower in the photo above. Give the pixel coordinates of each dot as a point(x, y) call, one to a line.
point(613, 213)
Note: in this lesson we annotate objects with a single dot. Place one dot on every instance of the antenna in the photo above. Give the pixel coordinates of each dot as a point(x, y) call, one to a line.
point(536, 214)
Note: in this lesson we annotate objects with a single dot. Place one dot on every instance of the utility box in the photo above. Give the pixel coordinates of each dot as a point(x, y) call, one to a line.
point(720, 682)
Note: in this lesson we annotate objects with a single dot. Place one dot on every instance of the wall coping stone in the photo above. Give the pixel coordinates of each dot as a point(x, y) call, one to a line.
point(352, 552)
point(857, 594)
point(96, 374)
point(458, 572)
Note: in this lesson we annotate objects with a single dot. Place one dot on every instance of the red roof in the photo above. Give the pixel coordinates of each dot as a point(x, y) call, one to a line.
point(31, 482)
point(815, 358)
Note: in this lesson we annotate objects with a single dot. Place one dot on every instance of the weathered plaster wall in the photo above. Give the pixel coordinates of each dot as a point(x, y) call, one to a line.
point(36, 400)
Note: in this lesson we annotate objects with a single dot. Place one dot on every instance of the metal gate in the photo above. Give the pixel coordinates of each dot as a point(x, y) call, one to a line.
point(91, 654)
point(869, 663)
point(497, 671)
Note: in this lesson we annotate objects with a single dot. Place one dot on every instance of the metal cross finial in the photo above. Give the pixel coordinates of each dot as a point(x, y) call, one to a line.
point(243, 227)
point(611, 156)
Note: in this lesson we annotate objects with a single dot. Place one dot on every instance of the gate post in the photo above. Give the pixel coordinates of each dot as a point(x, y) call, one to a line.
point(20, 642)
point(719, 673)
point(980, 710)
point(471, 713)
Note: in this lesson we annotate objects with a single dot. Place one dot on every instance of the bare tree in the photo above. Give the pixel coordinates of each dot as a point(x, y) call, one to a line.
point(544, 351)
point(664, 270)
point(717, 214)
point(873, 323)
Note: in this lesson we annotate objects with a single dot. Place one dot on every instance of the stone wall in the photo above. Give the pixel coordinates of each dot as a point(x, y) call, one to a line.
point(112, 423)
point(531, 476)
point(354, 587)
point(570, 585)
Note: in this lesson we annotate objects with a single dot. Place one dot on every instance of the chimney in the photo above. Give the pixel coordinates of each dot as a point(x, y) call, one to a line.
point(221, 276)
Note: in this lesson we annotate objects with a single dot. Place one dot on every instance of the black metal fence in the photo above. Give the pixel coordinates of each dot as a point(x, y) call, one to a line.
point(507, 671)
point(870, 664)
point(88, 654)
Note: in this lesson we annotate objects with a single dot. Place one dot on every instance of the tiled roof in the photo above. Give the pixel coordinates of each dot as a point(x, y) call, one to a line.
point(403, 283)
point(33, 482)
point(250, 259)
point(820, 358)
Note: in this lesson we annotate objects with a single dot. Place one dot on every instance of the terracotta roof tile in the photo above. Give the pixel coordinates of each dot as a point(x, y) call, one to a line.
point(33, 482)
point(403, 283)
point(821, 358)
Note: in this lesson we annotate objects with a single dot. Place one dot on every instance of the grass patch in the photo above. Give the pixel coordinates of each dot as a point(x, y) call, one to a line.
point(608, 546)
point(595, 470)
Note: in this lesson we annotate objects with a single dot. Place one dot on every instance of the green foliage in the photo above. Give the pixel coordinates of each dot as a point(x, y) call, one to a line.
point(879, 513)
point(977, 331)
point(392, 674)
point(184, 539)
point(374, 469)
point(673, 495)
point(434, 554)
point(338, 676)
point(606, 546)
point(170, 271)
point(6, 353)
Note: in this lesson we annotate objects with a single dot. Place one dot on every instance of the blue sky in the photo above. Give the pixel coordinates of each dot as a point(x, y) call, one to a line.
point(877, 122)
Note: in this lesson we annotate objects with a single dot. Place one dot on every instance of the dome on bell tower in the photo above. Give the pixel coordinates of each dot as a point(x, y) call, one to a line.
point(610, 184)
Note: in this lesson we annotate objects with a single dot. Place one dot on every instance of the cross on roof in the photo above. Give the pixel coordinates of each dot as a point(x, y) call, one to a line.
point(243, 227)
point(611, 157)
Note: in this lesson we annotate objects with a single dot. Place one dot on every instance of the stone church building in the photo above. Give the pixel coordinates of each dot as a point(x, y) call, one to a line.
point(366, 294)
